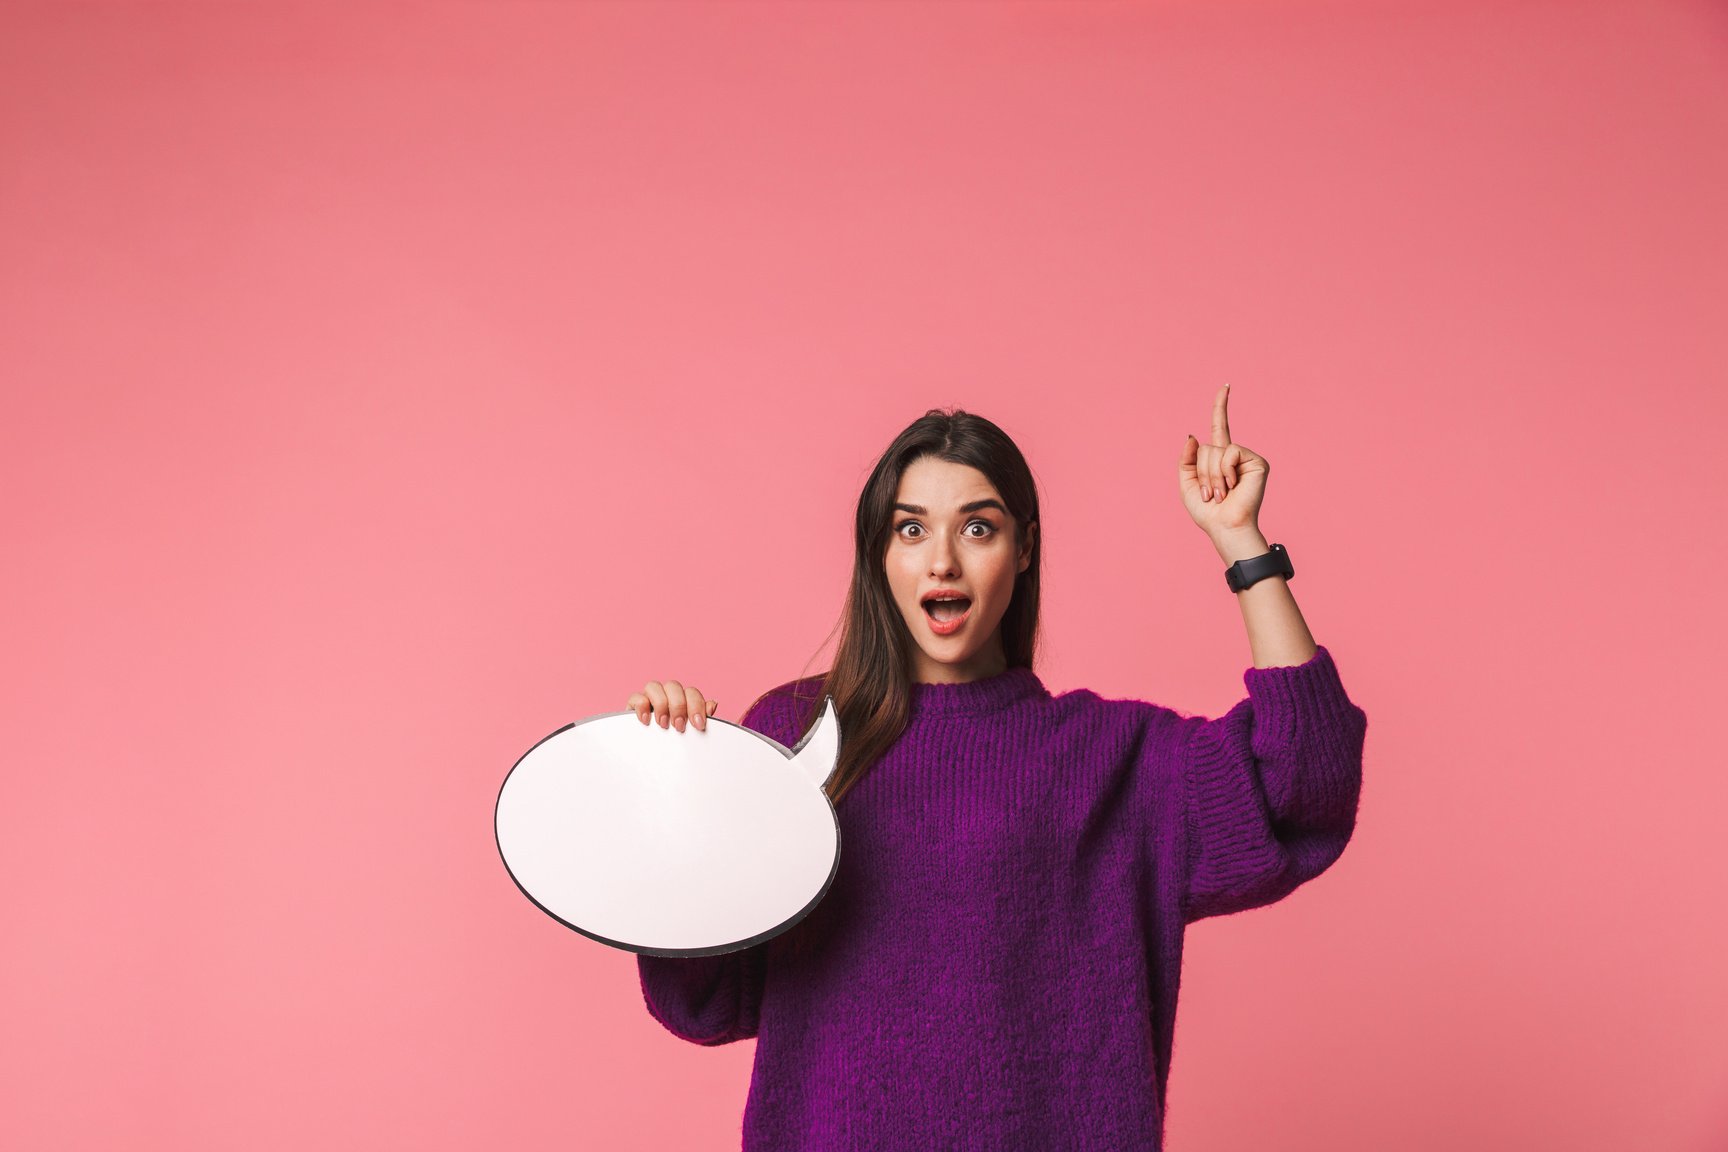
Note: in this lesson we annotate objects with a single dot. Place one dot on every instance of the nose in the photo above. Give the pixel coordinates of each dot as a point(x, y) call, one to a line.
point(942, 563)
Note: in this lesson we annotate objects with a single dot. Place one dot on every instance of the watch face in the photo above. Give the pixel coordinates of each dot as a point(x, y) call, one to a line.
point(1247, 573)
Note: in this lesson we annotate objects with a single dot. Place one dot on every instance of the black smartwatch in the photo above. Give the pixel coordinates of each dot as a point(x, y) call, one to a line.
point(1246, 572)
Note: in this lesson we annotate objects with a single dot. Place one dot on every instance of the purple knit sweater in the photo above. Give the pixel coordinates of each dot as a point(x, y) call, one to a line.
point(996, 964)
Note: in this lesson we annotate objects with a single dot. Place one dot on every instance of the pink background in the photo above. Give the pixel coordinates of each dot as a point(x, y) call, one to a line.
point(389, 385)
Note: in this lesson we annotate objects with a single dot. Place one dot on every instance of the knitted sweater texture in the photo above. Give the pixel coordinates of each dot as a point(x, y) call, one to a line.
point(997, 961)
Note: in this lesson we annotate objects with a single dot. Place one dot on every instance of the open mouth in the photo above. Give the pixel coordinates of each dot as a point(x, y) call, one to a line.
point(947, 611)
point(947, 616)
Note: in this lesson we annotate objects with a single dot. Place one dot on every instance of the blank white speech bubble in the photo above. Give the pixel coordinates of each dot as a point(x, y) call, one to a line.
point(672, 843)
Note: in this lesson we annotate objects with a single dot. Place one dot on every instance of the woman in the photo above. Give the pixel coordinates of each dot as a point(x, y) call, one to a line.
point(996, 964)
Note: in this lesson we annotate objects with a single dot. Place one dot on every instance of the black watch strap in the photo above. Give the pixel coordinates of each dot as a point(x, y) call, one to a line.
point(1256, 568)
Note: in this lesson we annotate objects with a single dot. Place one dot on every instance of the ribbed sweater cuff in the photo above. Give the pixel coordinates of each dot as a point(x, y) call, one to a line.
point(704, 999)
point(1298, 704)
point(679, 989)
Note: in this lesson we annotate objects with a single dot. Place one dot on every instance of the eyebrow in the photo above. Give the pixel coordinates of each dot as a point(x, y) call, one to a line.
point(920, 510)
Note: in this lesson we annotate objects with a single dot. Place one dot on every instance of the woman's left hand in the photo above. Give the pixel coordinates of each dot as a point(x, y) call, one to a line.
point(1222, 483)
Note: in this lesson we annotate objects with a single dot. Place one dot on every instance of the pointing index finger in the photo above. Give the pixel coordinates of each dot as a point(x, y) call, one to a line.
point(1221, 418)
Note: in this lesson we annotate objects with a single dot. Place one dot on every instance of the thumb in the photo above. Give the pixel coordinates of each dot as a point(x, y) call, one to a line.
point(1188, 469)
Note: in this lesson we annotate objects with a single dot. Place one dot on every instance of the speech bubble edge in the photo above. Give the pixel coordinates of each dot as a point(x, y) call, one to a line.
point(713, 950)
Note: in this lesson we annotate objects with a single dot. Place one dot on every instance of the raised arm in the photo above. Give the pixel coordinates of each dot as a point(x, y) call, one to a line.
point(1270, 789)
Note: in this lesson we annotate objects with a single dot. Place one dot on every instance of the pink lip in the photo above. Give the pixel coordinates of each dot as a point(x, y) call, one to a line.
point(945, 628)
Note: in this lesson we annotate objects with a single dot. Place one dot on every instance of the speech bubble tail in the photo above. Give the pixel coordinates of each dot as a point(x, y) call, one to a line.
point(818, 754)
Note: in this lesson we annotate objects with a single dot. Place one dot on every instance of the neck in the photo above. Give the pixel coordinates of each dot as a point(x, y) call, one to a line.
point(986, 662)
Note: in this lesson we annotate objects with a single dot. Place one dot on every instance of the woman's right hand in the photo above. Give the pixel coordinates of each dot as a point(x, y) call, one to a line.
point(671, 703)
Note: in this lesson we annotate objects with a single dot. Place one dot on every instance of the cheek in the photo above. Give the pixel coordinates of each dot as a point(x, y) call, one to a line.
point(902, 580)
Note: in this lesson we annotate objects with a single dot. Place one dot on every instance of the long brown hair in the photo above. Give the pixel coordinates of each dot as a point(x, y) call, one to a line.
point(869, 680)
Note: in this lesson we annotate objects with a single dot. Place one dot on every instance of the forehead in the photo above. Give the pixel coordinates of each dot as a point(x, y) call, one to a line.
point(942, 484)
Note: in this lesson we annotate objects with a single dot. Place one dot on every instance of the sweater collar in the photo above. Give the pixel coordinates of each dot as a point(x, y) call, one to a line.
point(976, 697)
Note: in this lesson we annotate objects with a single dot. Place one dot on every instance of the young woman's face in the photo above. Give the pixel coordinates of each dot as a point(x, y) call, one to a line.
point(951, 532)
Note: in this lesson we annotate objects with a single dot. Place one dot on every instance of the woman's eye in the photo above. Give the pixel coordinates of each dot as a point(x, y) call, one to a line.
point(985, 524)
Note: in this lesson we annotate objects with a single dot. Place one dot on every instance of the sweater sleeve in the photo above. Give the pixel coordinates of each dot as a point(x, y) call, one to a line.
point(1270, 789)
point(706, 1000)
point(712, 1000)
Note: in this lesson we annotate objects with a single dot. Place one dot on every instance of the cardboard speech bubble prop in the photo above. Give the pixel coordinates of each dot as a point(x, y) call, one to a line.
point(672, 843)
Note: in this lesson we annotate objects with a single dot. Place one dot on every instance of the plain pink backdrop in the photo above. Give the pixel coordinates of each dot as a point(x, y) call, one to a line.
point(387, 385)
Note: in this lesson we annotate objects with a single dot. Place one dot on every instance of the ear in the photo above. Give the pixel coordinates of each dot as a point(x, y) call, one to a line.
point(1031, 536)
